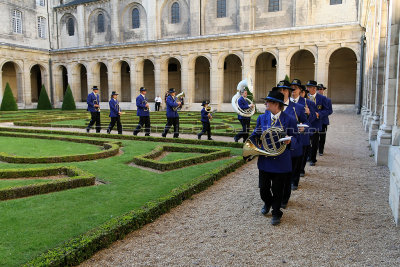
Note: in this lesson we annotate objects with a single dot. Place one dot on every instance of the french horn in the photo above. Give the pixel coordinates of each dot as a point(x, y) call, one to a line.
point(267, 145)
point(240, 87)
point(179, 97)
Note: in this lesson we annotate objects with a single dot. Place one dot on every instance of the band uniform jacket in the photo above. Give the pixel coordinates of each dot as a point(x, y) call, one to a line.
point(283, 162)
point(297, 112)
point(141, 106)
point(310, 119)
point(325, 120)
point(243, 105)
point(204, 115)
point(114, 108)
point(171, 103)
point(91, 100)
point(322, 109)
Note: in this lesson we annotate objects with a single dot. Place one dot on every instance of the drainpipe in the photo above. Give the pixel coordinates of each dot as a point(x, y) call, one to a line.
point(50, 63)
point(200, 17)
point(361, 83)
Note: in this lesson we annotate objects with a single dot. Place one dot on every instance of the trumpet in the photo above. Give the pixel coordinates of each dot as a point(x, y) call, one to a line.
point(179, 97)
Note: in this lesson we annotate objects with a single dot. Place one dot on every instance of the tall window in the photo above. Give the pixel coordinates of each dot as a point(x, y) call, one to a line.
point(135, 18)
point(100, 23)
point(273, 5)
point(71, 27)
point(17, 21)
point(221, 8)
point(336, 2)
point(175, 13)
point(40, 2)
point(42, 27)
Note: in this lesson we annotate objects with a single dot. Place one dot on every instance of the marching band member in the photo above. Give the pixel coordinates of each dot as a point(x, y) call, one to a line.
point(274, 170)
point(322, 110)
point(115, 113)
point(244, 121)
point(297, 112)
point(172, 114)
point(325, 121)
point(93, 102)
point(143, 111)
point(205, 119)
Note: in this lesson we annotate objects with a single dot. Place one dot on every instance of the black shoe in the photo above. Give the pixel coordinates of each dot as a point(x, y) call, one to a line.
point(199, 136)
point(210, 138)
point(275, 220)
point(312, 163)
point(294, 187)
point(236, 140)
point(108, 131)
point(321, 154)
point(147, 135)
point(164, 135)
point(302, 174)
point(87, 130)
point(283, 205)
point(265, 210)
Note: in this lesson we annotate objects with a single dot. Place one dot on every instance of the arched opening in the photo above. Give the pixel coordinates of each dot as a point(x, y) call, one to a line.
point(148, 79)
point(103, 83)
point(83, 82)
point(125, 82)
point(9, 75)
point(36, 82)
point(202, 79)
point(302, 66)
point(342, 76)
point(174, 74)
point(64, 79)
point(265, 75)
point(232, 76)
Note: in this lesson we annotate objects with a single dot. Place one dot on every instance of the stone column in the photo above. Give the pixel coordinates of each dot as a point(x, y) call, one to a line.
point(321, 66)
point(216, 77)
point(2, 87)
point(110, 76)
point(283, 67)
point(158, 84)
point(190, 83)
point(26, 96)
point(115, 20)
point(81, 25)
point(136, 76)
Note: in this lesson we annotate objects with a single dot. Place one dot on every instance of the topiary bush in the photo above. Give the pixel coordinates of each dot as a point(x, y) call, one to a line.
point(287, 78)
point(68, 102)
point(44, 101)
point(8, 103)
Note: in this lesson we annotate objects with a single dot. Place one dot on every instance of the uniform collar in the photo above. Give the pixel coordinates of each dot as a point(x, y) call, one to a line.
point(314, 95)
point(276, 116)
point(287, 104)
point(295, 100)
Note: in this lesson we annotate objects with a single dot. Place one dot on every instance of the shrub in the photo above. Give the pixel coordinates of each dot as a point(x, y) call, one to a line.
point(8, 103)
point(287, 78)
point(44, 101)
point(68, 102)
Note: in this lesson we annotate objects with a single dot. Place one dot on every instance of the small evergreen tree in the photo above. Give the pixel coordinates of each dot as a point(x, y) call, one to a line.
point(68, 102)
point(287, 78)
point(8, 103)
point(44, 101)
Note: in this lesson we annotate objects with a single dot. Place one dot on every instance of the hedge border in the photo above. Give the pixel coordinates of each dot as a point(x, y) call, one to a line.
point(147, 160)
point(127, 137)
point(76, 250)
point(77, 178)
point(110, 149)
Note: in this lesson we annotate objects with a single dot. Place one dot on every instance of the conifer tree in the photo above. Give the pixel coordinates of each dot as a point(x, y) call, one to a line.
point(44, 101)
point(68, 102)
point(8, 103)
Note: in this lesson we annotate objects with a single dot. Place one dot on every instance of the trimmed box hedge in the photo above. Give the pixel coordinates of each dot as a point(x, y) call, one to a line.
point(76, 178)
point(77, 250)
point(110, 149)
point(147, 160)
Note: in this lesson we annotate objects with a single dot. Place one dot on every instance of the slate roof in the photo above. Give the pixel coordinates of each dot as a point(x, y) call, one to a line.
point(78, 2)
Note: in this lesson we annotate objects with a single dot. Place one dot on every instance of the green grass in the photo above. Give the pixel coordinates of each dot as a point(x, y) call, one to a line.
point(45, 148)
point(5, 183)
point(32, 225)
point(171, 156)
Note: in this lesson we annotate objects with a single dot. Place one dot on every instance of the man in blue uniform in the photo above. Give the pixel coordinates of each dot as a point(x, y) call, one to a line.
point(205, 120)
point(143, 111)
point(325, 121)
point(172, 114)
point(322, 110)
point(244, 121)
point(274, 170)
point(115, 113)
point(297, 112)
point(93, 102)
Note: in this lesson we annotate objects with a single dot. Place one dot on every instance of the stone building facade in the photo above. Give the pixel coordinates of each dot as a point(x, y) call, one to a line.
point(202, 47)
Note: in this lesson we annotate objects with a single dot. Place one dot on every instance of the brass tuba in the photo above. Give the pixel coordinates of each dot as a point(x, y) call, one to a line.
point(261, 147)
point(179, 97)
point(240, 87)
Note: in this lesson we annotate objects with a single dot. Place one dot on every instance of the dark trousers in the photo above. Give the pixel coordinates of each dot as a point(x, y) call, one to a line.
point(206, 128)
point(112, 124)
point(322, 138)
point(306, 153)
point(170, 122)
point(245, 130)
point(271, 190)
point(95, 119)
point(287, 187)
point(296, 167)
point(314, 147)
point(158, 104)
point(143, 120)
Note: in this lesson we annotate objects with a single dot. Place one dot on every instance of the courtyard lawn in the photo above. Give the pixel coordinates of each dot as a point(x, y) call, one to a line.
point(178, 155)
point(32, 225)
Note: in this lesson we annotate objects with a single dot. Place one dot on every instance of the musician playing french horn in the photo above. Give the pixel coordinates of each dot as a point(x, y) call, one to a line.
point(206, 116)
point(115, 113)
point(172, 113)
point(274, 169)
point(93, 102)
point(143, 111)
point(244, 120)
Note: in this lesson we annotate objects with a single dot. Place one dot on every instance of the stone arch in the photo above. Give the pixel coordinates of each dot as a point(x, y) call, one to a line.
point(61, 74)
point(342, 75)
point(149, 78)
point(80, 72)
point(100, 79)
point(174, 74)
point(265, 75)
point(180, 29)
point(38, 74)
point(224, 55)
point(202, 79)
point(130, 34)
point(12, 74)
point(65, 39)
point(124, 70)
point(232, 69)
point(302, 65)
point(97, 38)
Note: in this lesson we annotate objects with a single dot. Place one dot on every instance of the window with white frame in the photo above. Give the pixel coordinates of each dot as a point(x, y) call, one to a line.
point(41, 27)
point(40, 2)
point(17, 21)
